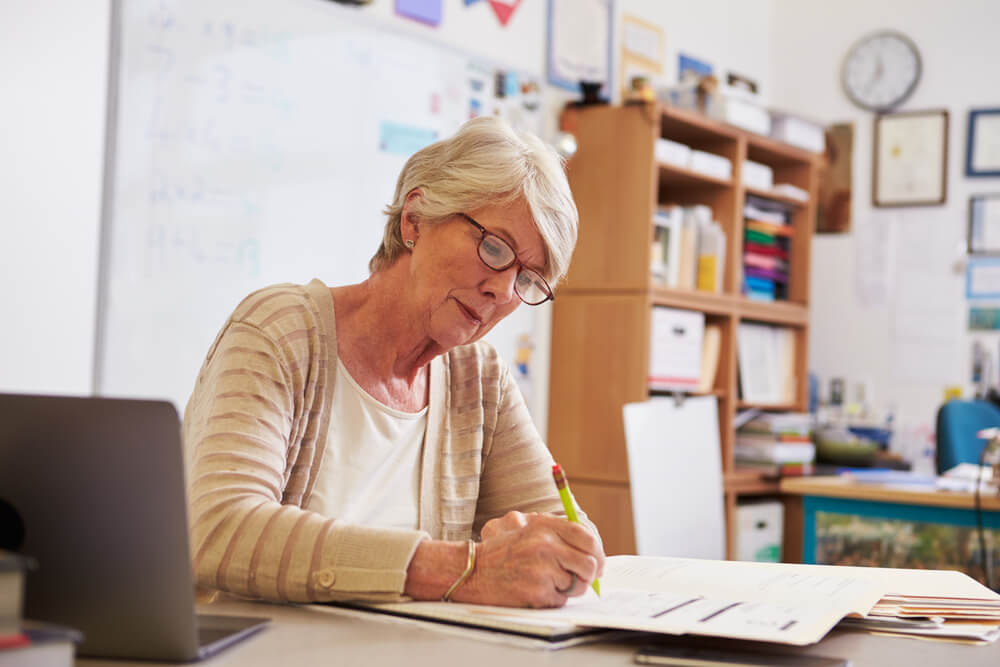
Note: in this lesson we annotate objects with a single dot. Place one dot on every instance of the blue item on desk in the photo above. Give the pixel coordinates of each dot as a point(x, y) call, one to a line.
point(873, 433)
point(957, 424)
point(888, 476)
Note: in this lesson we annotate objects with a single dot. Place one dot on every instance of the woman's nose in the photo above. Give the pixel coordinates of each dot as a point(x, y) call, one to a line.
point(501, 284)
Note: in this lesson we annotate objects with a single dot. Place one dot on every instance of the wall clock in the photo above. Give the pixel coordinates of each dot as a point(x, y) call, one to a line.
point(881, 70)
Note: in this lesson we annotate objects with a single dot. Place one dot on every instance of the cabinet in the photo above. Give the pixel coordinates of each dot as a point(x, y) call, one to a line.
point(601, 315)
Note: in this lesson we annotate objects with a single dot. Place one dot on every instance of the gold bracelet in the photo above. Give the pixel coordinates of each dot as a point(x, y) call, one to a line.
point(470, 565)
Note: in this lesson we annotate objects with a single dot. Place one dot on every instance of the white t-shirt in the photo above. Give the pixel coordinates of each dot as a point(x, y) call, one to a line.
point(370, 473)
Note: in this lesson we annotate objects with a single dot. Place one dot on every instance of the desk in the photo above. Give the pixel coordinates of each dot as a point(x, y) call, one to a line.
point(300, 636)
point(833, 520)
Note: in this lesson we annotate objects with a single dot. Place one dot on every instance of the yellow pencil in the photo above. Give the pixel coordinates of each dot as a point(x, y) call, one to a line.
point(567, 500)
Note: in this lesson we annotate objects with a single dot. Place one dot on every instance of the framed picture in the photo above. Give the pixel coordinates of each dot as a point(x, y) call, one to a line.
point(982, 153)
point(982, 278)
point(579, 47)
point(911, 159)
point(984, 225)
point(643, 44)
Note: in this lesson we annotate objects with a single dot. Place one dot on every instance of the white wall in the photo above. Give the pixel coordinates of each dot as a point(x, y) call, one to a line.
point(53, 68)
point(894, 319)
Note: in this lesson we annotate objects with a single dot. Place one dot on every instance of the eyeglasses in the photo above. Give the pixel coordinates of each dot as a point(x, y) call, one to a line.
point(497, 254)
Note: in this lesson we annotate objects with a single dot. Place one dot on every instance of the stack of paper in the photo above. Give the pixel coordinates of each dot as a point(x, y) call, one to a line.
point(936, 604)
point(777, 602)
point(766, 363)
point(782, 438)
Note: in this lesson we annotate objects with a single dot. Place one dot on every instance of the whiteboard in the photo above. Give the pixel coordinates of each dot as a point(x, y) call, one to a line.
point(253, 142)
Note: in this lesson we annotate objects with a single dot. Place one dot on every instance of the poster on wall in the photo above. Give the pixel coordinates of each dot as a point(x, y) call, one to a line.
point(579, 46)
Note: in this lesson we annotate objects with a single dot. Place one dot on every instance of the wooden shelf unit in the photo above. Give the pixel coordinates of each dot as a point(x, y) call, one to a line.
point(602, 314)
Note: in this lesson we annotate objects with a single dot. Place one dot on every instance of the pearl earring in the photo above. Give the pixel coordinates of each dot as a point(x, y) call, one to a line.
point(408, 243)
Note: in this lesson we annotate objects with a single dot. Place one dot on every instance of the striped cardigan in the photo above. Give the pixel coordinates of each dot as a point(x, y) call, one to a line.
point(255, 431)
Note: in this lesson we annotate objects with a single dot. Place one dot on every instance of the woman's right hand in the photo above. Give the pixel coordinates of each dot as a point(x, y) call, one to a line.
point(529, 560)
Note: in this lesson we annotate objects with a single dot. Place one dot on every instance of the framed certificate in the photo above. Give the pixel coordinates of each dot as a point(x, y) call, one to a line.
point(911, 159)
point(984, 225)
point(982, 153)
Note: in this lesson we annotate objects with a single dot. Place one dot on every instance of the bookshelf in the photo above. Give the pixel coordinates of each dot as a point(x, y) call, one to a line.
point(601, 317)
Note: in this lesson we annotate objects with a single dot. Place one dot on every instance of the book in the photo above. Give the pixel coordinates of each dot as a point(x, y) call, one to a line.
point(12, 572)
point(780, 423)
point(778, 602)
point(711, 256)
point(772, 470)
point(41, 645)
point(772, 451)
point(668, 222)
point(711, 349)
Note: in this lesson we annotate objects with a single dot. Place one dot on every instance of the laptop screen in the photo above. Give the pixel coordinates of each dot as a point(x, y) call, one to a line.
point(97, 485)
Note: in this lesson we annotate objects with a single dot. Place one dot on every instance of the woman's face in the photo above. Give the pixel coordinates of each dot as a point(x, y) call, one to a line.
point(454, 294)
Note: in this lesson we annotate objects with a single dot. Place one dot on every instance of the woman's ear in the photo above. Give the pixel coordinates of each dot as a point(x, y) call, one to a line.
point(409, 221)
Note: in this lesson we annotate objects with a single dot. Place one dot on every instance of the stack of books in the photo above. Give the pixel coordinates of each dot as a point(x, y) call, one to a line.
point(25, 642)
point(688, 249)
point(776, 443)
point(765, 249)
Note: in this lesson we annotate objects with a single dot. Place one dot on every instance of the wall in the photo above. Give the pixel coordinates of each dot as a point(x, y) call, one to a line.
point(887, 300)
point(53, 64)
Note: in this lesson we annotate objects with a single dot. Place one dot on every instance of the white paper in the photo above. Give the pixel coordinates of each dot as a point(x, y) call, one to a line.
point(580, 40)
point(776, 602)
point(873, 260)
point(767, 363)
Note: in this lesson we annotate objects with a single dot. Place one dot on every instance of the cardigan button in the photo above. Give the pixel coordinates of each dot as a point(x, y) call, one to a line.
point(325, 578)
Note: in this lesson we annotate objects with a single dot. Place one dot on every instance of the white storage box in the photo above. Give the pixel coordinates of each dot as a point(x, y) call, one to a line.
point(798, 132)
point(671, 152)
point(711, 164)
point(759, 529)
point(757, 175)
point(742, 113)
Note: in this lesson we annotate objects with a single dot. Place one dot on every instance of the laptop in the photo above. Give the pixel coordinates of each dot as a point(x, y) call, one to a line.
point(93, 490)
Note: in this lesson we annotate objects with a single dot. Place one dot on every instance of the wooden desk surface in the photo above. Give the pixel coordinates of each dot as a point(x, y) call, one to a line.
point(843, 487)
point(300, 636)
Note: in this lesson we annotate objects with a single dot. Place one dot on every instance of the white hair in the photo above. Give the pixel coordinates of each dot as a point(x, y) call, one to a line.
point(486, 163)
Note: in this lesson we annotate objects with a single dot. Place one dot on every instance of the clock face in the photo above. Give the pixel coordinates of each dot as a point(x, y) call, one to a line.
point(881, 70)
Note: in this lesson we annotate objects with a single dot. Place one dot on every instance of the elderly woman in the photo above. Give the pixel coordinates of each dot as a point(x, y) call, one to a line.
point(362, 442)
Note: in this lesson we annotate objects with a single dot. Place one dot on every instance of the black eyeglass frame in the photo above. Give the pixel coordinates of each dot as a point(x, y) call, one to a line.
point(482, 230)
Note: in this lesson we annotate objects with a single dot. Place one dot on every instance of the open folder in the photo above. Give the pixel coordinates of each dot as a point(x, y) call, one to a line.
point(776, 602)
